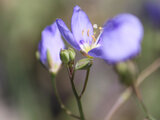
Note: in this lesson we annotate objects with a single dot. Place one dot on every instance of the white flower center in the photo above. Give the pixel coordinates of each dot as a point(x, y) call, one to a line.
point(86, 46)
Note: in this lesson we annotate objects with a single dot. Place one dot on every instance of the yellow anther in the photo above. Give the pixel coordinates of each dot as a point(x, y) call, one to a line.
point(94, 39)
point(100, 28)
point(88, 32)
point(82, 32)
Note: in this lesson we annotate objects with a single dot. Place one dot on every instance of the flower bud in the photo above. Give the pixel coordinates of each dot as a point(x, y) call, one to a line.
point(64, 55)
point(37, 55)
point(122, 68)
point(49, 48)
point(83, 64)
point(72, 54)
point(127, 72)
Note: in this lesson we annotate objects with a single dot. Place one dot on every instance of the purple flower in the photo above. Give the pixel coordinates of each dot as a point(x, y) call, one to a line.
point(119, 39)
point(51, 42)
point(152, 12)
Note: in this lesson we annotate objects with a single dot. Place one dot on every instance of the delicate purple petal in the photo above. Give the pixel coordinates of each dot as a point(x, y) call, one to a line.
point(68, 36)
point(81, 26)
point(120, 40)
point(51, 40)
point(96, 52)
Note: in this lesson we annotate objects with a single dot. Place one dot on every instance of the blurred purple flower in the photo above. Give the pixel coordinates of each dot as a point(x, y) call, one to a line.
point(119, 39)
point(152, 12)
point(52, 42)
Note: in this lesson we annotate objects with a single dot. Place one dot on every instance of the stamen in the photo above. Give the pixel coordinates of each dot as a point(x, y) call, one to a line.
point(86, 45)
point(94, 39)
point(82, 32)
point(88, 32)
point(95, 26)
point(100, 28)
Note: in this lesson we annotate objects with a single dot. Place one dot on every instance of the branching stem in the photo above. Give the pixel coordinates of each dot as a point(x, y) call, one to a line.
point(71, 73)
point(63, 107)
point(85, 83)
point(127, 93)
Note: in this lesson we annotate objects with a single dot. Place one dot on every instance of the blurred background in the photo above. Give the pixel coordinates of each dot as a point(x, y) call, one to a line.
point(25, 86)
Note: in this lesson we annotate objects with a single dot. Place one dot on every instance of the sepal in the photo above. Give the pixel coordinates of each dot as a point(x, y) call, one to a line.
point(64, 55)
point(84, 64)
point(37, 55)
point(72, 54)
point(49, 59)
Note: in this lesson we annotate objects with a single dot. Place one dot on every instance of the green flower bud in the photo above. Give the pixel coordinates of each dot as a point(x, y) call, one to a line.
point(84, 64)
point(37, 55)
point(72, 54)
point(127, 72)
point(64, 55)
point(122, 68)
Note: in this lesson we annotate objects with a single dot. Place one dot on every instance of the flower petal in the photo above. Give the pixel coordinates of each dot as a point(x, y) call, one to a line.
point(51, 41)
point(68, 36)
point(152, 12)
point(81, 26)
point(120, 39)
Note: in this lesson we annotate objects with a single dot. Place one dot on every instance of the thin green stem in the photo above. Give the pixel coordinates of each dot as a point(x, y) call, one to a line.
point(76, 94)
point(140, 100)
point(85, 84)
point(63, 107)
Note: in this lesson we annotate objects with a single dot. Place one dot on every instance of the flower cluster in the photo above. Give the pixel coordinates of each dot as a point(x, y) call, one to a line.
point(118, 40)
